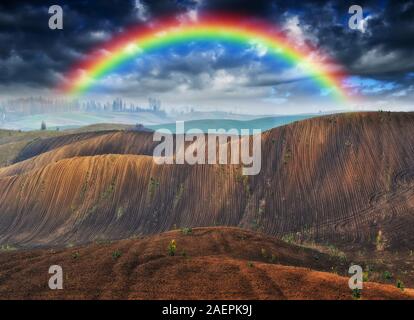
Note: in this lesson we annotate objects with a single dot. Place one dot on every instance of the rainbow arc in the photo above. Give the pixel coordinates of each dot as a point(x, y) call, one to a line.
point(140, 41)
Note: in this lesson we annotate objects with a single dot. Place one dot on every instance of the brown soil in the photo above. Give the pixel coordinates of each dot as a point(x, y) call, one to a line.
point(340, 179)
point(209, 263)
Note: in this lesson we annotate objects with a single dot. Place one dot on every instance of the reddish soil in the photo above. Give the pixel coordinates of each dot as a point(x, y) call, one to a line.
point(342, 179)
point(343, 182)
point(210, 263)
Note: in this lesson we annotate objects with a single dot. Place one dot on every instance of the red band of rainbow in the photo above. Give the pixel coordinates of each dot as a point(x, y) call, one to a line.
point(139, 41)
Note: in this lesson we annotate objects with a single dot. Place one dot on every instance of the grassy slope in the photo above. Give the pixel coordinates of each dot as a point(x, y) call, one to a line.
point(12, 141)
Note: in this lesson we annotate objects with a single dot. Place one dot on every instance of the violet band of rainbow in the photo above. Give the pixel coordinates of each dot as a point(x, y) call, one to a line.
point(140, 43)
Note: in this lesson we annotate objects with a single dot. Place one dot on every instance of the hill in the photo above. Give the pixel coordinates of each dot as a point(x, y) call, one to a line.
point(209, 263)
point(344, 179)
point(265, 123)
point(12, 142)
point(75, 120)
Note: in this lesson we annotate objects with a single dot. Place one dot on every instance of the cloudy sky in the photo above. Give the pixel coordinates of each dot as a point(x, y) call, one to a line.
point(379, 61)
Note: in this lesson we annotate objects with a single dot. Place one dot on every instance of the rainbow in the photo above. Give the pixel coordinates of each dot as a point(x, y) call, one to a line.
point(229, 29)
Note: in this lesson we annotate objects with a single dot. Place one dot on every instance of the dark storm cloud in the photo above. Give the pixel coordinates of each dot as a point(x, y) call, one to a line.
point(386, 47)
point(33, 55)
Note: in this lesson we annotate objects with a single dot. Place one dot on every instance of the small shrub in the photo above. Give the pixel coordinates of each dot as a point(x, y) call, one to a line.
point(387, 275)
point(109, 190)
point(335, 252)
point(356, 294)
point(75, 255)
point(250, 264)
point(101, 240)
point(153, 186)
point(289, 238)
point(380, 241)
point(116, 254)
point(365, 274)
point(7, 247)
point(400, 285)
point(119, 212)
point(256, 223)
point(273, 259)
point(264, 253)
point(287, 156)
point(172, 247)
point(186, 231)
point(92, 210)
